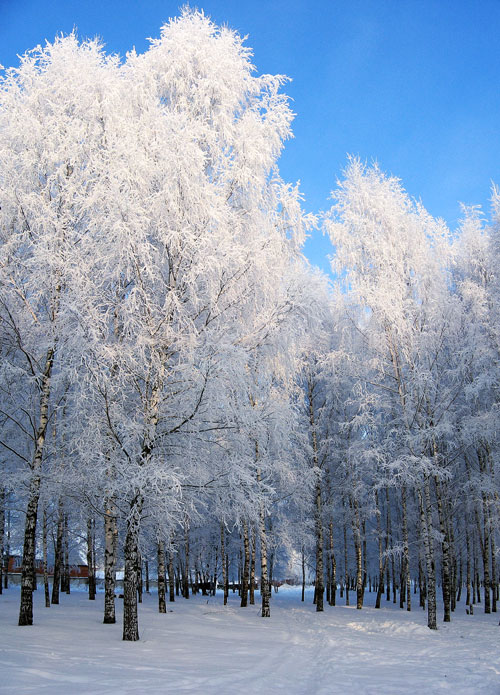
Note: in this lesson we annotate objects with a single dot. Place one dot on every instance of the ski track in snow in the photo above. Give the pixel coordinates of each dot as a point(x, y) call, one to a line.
point(201, 646)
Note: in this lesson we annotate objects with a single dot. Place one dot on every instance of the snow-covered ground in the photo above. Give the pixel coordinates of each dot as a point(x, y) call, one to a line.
point(200, 646)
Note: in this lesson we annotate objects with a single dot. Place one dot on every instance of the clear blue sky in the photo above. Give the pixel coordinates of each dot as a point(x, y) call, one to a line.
point(413, 84)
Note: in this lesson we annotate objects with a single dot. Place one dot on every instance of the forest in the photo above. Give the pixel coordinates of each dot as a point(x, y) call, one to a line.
point(184, 397)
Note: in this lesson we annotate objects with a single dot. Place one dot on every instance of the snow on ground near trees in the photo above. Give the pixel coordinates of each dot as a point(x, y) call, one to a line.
point(203, 647)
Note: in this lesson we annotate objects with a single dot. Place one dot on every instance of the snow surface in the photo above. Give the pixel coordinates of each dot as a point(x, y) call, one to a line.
point(200, 646)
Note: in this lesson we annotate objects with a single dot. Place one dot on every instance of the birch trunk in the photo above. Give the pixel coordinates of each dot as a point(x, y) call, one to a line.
point(171, 577)
point(246, 566)
point(130, 617)
point(357, 548)
point(2, 535)
point(58, 552)
point(319, 581)
point(252, 568)
point(426, 526)
point(346, 567)
point(264, 581)
point(185, 575)
point(303, 574)
point(110, 543)
point(445, 550)
point(319, 584)
point(26, 607)
point(382, 562)
point(44, 551)
point(139, 577)
point(406, 575)
point(90, 559)
point(224, 565)
point(7, 554)
point(333, 569)
point(162, 605)
point(65, 580)
point(494, 582)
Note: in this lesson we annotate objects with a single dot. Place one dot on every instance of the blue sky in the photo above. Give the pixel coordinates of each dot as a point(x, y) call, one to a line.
point(413, 84)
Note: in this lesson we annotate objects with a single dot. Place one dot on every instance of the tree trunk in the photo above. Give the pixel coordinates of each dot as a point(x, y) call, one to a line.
point(382, 561)
point(130, 617)
point(139, 577)
point(185, 576)
point(246, 566)
point(110, 548)
point(65, 577)
point(406, 574)
point(445, 550)
point(28, 566)
point(346, 567)
point(319, 583)
point(171, 577)
point(90, 558)
point(26, 606)
point(356, 532)
point(225, 583)
point(303, 573)
point(426, 526)
point(494, 582)
point(333, 569)
point(264, 582)
point(162, 605)
point(468, 563)
point(44, 551)
point(252, 567)
point(58, 551)
point(2, 535)
point(7, 554)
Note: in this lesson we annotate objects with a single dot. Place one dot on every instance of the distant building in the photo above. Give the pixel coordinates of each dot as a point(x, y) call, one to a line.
point(16, 563)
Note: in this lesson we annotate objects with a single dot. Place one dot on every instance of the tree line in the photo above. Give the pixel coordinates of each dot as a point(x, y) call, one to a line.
point(179, 386)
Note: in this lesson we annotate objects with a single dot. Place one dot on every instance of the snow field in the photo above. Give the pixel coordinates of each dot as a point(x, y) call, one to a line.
point(200, 646)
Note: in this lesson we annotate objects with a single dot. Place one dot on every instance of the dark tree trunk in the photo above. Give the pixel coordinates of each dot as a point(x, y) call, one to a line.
point(406, 573)
point(58, 552)
point(26, 606)
point(2, 535)
point(44, 551)
point(356, 532)
point(382, 561)
point(65, 579)
point(139, 577)
point(494, 582)
point(319, 582)
point(303, 573)
point(265, 592)
point(171, 577)
point(130, 617)
point(110, 549)
point(246, 566)
point(445, 553)
point(185, 576)
point(252, 567)
point(346, 566)
point(333, 569)
point(162, 605)
point(264, 581)
point(7, 554)
point(224, 563)
point(90, 559)
point(426, 526)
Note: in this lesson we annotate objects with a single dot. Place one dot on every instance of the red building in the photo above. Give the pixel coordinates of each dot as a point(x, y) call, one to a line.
point(15, 567)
